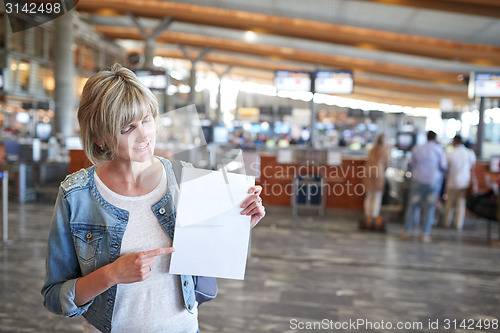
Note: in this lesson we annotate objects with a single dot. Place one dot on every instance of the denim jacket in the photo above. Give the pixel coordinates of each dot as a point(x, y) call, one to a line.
point(86, 234)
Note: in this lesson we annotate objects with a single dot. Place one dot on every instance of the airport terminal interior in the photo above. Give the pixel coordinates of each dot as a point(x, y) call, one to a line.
point(298, 96)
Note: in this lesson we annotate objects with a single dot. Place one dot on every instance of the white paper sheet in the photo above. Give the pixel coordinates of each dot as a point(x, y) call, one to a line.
point(211, 236)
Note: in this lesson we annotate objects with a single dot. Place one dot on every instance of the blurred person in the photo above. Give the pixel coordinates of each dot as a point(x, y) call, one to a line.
point(428, 162)
point(112, 230)
point(375, 166)
point(460, 162)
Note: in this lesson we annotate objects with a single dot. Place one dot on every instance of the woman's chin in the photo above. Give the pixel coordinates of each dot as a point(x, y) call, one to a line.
point(141, 157)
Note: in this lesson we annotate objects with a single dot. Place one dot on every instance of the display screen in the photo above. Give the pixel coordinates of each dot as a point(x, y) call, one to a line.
point(296, 81)
point(23, 117)
point(221, 134)
point(153, 79)
point(43, 131)
point(484, 85)
point(281, 127)
point(405, 141)
point(334, 82)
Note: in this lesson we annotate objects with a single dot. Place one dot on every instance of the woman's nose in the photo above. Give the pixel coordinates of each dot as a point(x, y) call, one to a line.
point(142, 131)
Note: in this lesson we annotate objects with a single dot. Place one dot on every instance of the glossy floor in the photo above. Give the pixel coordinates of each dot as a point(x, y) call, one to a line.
point(304, 275)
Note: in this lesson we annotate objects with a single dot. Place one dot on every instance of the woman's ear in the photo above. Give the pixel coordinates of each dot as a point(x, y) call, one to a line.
point(99, 143)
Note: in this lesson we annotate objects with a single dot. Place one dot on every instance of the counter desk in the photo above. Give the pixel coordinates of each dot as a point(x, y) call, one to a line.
point(342, 185)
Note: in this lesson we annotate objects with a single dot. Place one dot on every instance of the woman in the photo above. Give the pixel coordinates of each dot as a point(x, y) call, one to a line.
point(378, 160)
point(111, 237)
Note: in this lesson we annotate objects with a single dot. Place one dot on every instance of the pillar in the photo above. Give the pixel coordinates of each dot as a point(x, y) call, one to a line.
point(480, 129)
point(64, 74)
point(192, 84)
point(149, 54)
point(313, 137)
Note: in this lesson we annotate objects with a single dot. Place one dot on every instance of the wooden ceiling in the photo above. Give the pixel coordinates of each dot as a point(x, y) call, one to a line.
point(470, 7)
point(375, 80)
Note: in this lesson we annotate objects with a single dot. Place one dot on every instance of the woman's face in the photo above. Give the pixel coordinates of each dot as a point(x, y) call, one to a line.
point(137, 140)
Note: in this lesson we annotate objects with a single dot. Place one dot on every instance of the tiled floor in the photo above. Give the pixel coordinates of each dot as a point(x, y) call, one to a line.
point(301, 273)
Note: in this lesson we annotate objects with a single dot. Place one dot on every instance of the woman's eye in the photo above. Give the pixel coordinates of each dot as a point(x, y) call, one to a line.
point(126, 130)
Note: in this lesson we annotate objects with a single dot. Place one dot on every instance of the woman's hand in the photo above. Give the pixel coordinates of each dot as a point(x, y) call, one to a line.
point(137, 266)
point(133, 267)
point(253, 206)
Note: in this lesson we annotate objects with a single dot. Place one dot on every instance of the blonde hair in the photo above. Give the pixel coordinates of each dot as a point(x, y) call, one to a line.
point(110, 101)
point(377, 148)
point(380, 140)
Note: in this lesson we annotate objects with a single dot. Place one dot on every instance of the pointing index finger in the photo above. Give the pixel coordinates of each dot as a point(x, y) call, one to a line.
point(158, 252)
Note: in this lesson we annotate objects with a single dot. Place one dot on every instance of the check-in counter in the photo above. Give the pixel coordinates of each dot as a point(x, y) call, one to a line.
point(485, 176)
point(342, 188)
point(343, 184)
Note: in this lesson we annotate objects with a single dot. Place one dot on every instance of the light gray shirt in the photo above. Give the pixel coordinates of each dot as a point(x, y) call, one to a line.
point(155, 304)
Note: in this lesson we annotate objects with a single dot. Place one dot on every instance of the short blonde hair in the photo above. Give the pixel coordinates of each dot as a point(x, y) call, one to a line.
point(110, 101)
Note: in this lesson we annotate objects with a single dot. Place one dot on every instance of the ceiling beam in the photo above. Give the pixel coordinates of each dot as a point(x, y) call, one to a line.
point(265, 65)
point(415, 98)
point(365, 88)
point(409, 88)
point(356, 65)
point(369, 95)
point(311, 30)
point(393, 99)
point(489, 8)
point(225, 59)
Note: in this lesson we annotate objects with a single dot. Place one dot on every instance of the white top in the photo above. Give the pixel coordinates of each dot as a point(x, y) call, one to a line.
point(155, 304)
point(460, 161)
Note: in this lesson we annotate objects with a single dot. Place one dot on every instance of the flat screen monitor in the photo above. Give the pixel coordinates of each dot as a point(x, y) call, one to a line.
point(356, 113)
point(285, 110)
point(23, 117)
point(405, 141)
point(43, 131)
point(484, 85)
point(154, 80)
point(450, 115)
point(289, 80)
point(267, 110)
point(221, 134)
point(375, 114)
point(281, 127)
point(334, 82)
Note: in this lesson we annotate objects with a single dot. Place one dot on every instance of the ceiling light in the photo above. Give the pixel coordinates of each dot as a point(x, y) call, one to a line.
point(250, 36)
point(158, 61)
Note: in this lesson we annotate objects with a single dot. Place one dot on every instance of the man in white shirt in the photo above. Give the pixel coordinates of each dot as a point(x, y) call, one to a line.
point(460, 163)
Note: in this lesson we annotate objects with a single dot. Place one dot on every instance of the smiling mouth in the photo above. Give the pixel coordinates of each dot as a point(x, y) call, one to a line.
point(143, 147)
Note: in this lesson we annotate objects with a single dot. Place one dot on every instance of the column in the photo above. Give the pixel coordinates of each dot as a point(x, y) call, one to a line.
point(313, 136)
point(149, 54)
point(64, 73)
point(480, 129)
point(192, 75)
